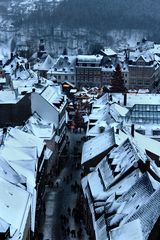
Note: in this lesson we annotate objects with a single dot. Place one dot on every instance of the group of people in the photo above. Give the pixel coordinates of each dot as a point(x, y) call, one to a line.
point(65, 224)
point(70, 218)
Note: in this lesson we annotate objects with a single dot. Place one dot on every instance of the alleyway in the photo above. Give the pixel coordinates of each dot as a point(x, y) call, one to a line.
point(62, 216)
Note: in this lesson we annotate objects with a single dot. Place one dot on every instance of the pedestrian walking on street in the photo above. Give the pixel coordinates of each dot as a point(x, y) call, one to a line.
point(64, 219)
point(61, 217)
point(68, 231)
point(69, 211)
point(67, 179)
point(62, 228)
point(40, 236)
point(72, 188)
point(44, 209)
point(57, 184)
point(73, 233)
point(71, 176)
point(79, 233)
point(73, 212)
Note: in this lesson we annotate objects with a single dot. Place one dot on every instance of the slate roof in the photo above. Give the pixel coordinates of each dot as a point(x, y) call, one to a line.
point(117, 162)
point(97, 145)
point(130, 231)
point(148, 213)
point(126, 205)
point(3, 226)
point(54, 97)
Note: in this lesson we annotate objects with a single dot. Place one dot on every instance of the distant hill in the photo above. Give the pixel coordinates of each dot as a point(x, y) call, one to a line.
point(79, 24)
point(109, 14)
point(101, 15)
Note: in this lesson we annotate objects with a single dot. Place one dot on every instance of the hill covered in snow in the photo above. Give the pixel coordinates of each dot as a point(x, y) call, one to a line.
point(76, 24)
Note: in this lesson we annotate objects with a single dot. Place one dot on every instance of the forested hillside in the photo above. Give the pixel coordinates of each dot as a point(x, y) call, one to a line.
point(77, 24)
point(109, 14)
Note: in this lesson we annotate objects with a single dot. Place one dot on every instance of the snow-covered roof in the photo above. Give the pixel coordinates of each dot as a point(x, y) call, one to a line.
point(95, 184)
point(2, 80)
point(123, 185)
point(99, 112)
point(24, 75)
point(21, 73)
point(47, 64)
point(21, 151)
point(137, 98)
point(20, 139)
point(89, 58)
point(9, 174)
point(156, 49)
point(120, 137)
point(39, 127)
point(5, 50)
point(124, 195)
point(64, 64)
point(98, 145)
point(147, 143)
point(131, 231)
point(128, 204)
point(28, 83)
point(3, 226)
point(24, 83)
point(73, 90)
point(122, 158)
point(14, 207)
point(11, 65)
point(147, 56)
point(24, 156)
point(147, 212)
point(100, 228)
point(101, 101)
point(8, 96)
point(117, 111)
point(109, 52)
point(70, 84)
point(53, 96)
point(95, 130)
point(110, 67)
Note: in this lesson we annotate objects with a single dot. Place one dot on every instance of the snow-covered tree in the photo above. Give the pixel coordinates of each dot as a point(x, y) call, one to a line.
point(117, 81)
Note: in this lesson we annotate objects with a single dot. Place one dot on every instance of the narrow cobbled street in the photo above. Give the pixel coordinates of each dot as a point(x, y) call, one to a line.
point(63, 212)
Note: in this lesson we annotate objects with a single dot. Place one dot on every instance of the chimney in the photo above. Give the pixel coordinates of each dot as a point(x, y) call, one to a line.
point(125, 99)
point(4, 130)
point(110, 98)
point(27, 65)
point(132, 130)
point(90, 108)
point(23, 123)
point(11, 56)
point(101, 129)
point(117, 131)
